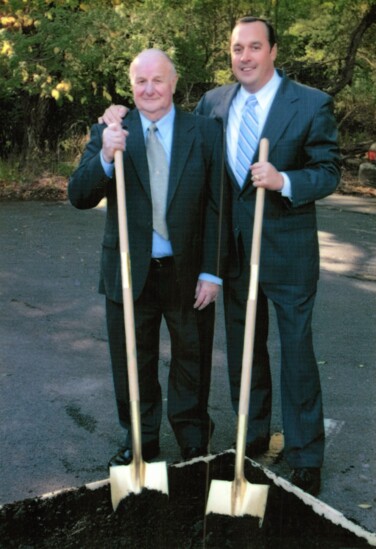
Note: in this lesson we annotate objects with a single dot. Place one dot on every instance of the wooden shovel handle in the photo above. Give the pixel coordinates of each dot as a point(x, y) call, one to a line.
point(250, 327)
point(126, 279)
point(250, 324)
point(130, 332)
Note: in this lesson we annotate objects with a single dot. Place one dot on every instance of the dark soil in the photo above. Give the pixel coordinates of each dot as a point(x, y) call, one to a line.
point(84, 518)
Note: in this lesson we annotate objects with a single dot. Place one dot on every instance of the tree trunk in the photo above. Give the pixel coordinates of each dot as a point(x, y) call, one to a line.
point(346, 74)
point(37, 117)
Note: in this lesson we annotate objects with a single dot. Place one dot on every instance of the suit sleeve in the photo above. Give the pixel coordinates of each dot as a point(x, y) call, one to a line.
point(87, 185)
point(318, 169)
point(205, 106)
point(216, 229)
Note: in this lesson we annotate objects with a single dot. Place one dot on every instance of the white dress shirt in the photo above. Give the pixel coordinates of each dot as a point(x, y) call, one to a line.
point(265, 98)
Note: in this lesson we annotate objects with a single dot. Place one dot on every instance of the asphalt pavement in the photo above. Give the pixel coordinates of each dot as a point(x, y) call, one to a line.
point(58, 418)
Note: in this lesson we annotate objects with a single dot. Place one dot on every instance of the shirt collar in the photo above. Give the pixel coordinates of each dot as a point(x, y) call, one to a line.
point(264, 95)
point(164, 124)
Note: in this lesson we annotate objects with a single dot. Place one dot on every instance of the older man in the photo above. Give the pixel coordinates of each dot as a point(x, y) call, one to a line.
point(174, 217)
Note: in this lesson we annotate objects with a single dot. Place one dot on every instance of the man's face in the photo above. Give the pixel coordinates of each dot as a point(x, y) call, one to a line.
point(251, 55)
point(153, 83)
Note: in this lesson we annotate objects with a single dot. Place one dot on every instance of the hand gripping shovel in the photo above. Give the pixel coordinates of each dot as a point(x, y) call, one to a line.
point(240, 497)
point(125, 479)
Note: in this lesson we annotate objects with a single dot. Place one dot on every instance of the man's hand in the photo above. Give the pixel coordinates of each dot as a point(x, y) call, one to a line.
point(113, 115)
point(206, 292)
point(265, 175)
point(113, 139)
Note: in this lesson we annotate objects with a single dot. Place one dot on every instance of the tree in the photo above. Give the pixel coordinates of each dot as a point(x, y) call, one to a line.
point(331, 45)
point(63, 61)
point(43, 70)
point(346, 68)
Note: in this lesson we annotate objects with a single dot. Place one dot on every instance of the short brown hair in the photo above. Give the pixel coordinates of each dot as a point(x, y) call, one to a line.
point(270, 29)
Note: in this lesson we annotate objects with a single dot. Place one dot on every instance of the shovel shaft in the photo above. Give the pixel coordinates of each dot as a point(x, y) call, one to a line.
point(240, 497)
point(250, 325)
point(241, 436)
point(130, 335)
point(139, 474)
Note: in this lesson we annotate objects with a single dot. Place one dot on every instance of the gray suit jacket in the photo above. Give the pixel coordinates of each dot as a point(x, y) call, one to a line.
point(303, 143)
point(194, 201)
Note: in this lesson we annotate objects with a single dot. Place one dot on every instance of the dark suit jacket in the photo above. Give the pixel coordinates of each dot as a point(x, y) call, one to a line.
point(194, 197)
point(303, 143)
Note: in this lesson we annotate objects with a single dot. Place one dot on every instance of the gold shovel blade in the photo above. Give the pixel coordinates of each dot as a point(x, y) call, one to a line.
point(224, 499)
point(124, 481)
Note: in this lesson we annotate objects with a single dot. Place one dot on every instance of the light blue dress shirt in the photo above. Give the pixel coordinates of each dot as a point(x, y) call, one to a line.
point(160, 246)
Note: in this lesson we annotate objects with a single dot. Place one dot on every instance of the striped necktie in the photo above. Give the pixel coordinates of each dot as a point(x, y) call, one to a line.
point(158, 174)
point(248, 137)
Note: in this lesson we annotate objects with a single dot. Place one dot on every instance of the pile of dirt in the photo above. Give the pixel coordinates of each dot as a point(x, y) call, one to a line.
point(84, 518)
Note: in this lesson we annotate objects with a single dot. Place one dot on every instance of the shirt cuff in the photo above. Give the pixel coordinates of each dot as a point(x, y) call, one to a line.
point(210, 278)
point(286, 189)
point(108, 167)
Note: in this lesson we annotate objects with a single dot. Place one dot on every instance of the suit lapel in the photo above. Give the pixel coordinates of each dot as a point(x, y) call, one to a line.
point(182, 142)
point(282, 111)
point(136, 148)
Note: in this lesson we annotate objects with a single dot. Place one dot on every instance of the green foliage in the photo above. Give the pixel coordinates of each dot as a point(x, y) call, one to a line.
point(63, 61)
point(9, 170)
point(314, 50)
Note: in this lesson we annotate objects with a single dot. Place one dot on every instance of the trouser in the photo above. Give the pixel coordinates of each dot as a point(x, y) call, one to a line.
point(191, 335)
point(301, 397)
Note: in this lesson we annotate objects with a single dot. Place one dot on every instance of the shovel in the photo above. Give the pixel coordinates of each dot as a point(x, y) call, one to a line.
point(240, 497)
point(126, 479)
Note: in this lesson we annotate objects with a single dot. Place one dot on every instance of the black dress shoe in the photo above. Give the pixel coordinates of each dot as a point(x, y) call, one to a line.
point(150, 450)
point(123, 457)
point(307, 478)
point(257, 447)
point(192, 452)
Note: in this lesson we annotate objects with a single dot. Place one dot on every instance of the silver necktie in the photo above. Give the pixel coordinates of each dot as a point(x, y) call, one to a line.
point(158, 173)
point(248, 138)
